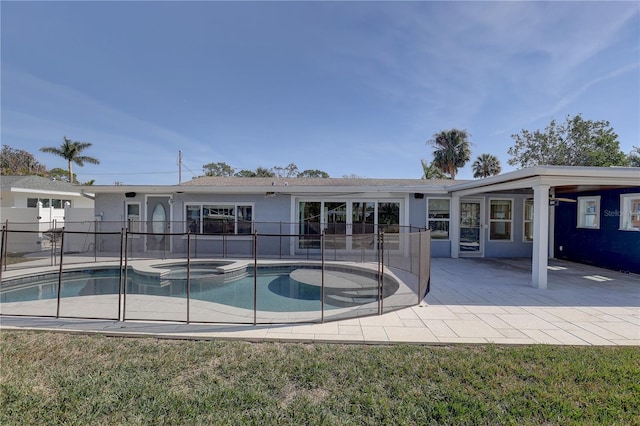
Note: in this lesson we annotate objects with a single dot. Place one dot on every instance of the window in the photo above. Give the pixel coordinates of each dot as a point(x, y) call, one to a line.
point(500, 220)
point(438, 215)
point(363, 215)
point(630, 212)
point(33, 202)
point(348, 224)
point(133, 217)
point(335, 214)
point(389, 223)
point(310, 224)
point(216, 219)
point(244, 220)
point(528, 220)
point(60, 204)
point(389, 217)
point(589, 212)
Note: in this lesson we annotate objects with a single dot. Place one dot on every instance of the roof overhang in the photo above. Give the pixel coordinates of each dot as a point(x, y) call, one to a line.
point(262, 189)
point(46, 191)
point(554, 176)
point(519, 180)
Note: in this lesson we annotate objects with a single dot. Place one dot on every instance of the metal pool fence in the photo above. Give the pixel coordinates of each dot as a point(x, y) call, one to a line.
point(82, 268)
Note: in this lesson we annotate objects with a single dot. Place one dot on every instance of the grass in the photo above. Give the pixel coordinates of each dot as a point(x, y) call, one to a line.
point(13, 258)
point(50, 378)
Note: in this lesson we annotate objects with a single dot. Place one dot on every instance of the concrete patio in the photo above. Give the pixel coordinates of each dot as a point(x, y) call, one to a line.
point(471, 301)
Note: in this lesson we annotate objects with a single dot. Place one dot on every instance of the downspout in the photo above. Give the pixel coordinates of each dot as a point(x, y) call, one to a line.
point(85, 195)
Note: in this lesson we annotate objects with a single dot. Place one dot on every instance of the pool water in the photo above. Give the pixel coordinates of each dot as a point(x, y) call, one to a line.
point(276, 291)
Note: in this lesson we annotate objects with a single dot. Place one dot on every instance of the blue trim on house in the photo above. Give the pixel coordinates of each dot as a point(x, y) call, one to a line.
point(607, 247)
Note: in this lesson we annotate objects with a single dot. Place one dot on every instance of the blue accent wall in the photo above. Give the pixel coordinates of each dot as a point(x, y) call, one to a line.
point(607, 247)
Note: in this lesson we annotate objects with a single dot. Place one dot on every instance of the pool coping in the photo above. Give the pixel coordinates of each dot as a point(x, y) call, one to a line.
point(167, 308)
point(472, 301)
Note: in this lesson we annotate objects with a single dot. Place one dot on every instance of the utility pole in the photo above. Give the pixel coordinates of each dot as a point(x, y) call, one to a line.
point(179, 167)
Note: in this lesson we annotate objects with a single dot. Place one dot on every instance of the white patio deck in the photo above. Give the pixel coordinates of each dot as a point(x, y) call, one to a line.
point(471, 301)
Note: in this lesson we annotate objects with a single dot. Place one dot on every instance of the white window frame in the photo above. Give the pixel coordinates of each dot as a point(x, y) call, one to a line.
point(222, 205)
point(349, 224)
point(525, 220)
point(505, 221)
point(46, 202)
point(349, 215)
point(61, 202)
point(582, 221)
point(627, 215)
point(136, 219)
point(437, 219)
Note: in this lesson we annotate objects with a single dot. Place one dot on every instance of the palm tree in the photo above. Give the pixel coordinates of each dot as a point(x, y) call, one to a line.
point(430, 171)
point(262, 172)
point(452, 150)
point(486, 165)
point(70, 151)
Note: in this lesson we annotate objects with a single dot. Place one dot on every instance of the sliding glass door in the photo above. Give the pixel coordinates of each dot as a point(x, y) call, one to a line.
point(348, 225)
point(335, 219)
point(363, 223)
point(310, 226)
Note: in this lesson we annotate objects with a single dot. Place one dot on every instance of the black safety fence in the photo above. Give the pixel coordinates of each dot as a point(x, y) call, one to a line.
point(94, 271)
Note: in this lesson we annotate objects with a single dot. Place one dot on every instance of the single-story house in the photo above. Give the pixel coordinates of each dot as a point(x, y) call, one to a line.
point(39, 204)
point(583, 214)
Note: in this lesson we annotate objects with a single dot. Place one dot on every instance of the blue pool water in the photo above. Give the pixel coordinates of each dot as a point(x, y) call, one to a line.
point(276, 291)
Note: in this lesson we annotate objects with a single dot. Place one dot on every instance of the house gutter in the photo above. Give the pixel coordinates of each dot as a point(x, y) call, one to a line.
point(280, 189)
point(89, 196)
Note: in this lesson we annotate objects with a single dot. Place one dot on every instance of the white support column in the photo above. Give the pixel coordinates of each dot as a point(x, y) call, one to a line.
point(454, 226)
point(552, 226)
point(540, 256)
point(293, 220)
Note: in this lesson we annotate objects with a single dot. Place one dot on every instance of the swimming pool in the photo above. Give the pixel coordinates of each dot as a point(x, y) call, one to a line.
point(281, 288)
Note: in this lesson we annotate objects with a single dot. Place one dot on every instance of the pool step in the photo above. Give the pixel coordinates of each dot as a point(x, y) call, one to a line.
point(346, 301)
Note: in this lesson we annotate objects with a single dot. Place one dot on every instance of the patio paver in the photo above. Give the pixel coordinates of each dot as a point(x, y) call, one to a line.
point(497, 305)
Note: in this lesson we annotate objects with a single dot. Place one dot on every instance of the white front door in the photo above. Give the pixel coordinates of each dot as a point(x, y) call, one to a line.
point(158, 223)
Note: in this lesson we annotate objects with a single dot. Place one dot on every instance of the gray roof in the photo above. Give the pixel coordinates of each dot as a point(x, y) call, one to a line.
point(37, 183)
point(276, 181)
point(518, 179)
point(228, 185)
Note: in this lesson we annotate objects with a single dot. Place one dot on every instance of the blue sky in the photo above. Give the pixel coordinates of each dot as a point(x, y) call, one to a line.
point(351, 88)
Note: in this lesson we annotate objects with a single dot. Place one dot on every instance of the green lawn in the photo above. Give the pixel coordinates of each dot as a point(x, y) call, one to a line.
point(13, 258)
point(49, 378)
